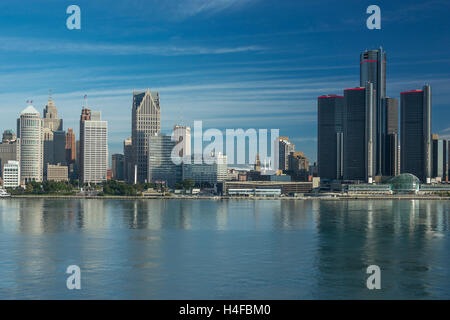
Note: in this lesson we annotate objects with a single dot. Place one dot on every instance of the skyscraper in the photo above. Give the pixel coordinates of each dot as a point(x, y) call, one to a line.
point(9, 148)
point(160, 164)
point(128, 160)
point(330, 136)
point(50, 119)
point(94, 149)
point(117, 166)
point(54, 147)
point(373, 69)
point(146, 118)
point(285, 148)
point(359, 133)
point(71, 152)
point(182, 135)
point(439, 158)
point(31, 151)
point(415, 137)
point(390, 163)
point(85, 116)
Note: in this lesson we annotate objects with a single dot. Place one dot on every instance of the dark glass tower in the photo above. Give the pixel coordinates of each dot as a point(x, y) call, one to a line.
point(330, 136)
point(359, 133)
point(391, 154)
point(373, 69)
point(415, 135)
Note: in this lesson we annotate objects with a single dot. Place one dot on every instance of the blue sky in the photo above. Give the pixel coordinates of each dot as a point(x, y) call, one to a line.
point(231, 63)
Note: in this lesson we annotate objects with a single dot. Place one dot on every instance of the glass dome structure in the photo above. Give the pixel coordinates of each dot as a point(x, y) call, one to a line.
point(405, 183)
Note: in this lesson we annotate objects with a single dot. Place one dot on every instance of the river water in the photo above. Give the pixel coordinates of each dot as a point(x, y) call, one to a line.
point(231, 249)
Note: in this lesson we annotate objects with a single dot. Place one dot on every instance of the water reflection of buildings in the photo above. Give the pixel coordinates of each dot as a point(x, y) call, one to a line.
point(400, 236)
point(31, 216)
point(93, 214)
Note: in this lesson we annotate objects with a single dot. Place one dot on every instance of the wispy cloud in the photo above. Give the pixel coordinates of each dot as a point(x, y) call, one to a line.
point(189, 8)
point(10, 44)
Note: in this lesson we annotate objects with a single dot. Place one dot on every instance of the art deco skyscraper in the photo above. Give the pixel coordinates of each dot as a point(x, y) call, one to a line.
point(31, 151)
point(415, 137)
point(330, 136)
point(146, 121)
point(373, 69)
point(359, 133)
point(54, 147)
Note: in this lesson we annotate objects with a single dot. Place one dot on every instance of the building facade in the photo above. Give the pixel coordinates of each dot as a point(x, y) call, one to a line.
point(128, 161)
point(9, 148)
point(11, 174)
point(359, 134)
point(161, 168)
point(391, 139)
point(415, 137)
point(57, 172)
point(439, 158)
point(146, 121)
point(71, 151)
point(373, 69)
point(94, 150)
point(31, 146)
point(285, 147)
point(212, 170)
point(118, 166)
point(182, 136)
point(330, 136)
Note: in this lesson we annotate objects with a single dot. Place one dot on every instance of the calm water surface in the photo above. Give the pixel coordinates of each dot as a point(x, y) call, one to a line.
point(237, 249)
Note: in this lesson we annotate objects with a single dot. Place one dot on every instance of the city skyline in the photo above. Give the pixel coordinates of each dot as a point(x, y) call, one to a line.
point(279, 74)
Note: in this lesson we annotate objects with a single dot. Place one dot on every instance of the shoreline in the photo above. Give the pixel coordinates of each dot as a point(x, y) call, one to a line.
point(219, 198)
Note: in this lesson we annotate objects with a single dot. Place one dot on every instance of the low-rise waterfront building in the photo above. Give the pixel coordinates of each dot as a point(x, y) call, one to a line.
point(57, 172)
point(212, 170)
point(11, 174)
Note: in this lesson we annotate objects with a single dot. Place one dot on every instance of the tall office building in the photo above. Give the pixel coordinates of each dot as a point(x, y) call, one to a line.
point(53, 148)
point(391, 154)
point(128, 160)
point(330, 136)
point(117, 166)
point(160, 165)
point(9, 148)
point(31, 151)
point(85, 116)
point(59, 147)
point(415, 136)
point(373, 69)
point(71, 152)
point(146, 118)
point(50, 119)
point(359, 133)
point(94, 149)
point(439, 158)
point(285, 147)
point(182, 135)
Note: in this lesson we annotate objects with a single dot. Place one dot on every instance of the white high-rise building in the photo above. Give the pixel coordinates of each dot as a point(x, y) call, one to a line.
point(31, 146)
point(95, 150)
point(182, 136)
point(11, 174)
